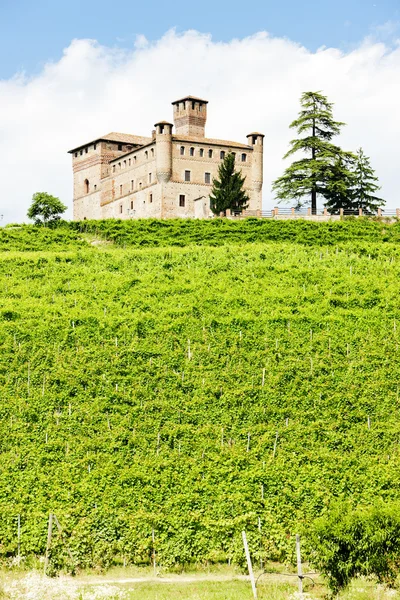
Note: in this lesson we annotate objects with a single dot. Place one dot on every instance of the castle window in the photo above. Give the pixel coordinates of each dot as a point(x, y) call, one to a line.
point(182, 200)
point(222, 155)
point(120, 190)
point(124, 164)
point(132, 183)
point(86, 150)
point(135, 158)
point(150, 177)
point(76, 155)
point(87, 187)
point(94, 146)
point(131, 204)
point(187, 176)
point(200, 107)
point(146, 155)
point(191, 152)
point(119, 165)
point(182, 150)
point(81, 152)
point(113, 168)
point(95, 187)
point(210, 154)
point(119, 146)
point(152, 151)
point(207, 177)
point(244, 157)
point(120, 209)
point(129, 162)
point(151, 198)
point(201, 152)
point(193, 105)
point(234, 155)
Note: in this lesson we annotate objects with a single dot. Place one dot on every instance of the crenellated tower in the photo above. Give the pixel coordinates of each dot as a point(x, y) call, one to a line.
point(190, 116)
point(163, 151)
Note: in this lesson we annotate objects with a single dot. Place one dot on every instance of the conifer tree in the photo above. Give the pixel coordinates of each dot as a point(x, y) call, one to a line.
point(306, 178)
point(227, 191)
point(365, 185)
point(340, 182)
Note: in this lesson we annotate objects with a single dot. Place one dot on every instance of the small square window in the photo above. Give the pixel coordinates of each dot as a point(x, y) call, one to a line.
point(182, 200)
point(187, 176)
point(207, 177)
point(119, 146)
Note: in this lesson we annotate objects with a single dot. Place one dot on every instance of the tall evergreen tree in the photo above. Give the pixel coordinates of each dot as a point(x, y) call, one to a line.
point(365, 185)
point(227, 191)
point(340, 181)
point(307, 177)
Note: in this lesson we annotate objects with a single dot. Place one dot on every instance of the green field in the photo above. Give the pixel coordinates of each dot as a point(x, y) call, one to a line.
point(194, 390)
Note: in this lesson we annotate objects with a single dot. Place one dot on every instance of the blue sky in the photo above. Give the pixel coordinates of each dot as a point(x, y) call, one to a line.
point(33, 32)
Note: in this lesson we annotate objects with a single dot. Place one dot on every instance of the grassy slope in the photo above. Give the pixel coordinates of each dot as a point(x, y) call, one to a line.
point(95, 361)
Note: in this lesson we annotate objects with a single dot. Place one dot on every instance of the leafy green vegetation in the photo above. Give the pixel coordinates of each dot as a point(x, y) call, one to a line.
point(195, 391)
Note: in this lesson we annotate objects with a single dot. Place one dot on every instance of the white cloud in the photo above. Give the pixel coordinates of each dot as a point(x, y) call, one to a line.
point(252, 84)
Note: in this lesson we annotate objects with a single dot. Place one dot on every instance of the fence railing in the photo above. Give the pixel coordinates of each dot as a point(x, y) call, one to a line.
point(293, 213)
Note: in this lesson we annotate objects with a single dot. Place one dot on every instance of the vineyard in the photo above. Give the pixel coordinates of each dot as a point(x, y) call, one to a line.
point(191, 379)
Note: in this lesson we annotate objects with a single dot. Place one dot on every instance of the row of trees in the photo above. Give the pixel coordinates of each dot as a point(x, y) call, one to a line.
point(343, 179)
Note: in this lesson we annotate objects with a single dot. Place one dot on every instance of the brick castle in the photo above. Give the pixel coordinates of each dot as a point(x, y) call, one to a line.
point(163, 176)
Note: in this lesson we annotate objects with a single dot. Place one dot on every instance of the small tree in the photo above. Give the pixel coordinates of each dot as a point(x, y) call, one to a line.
point(340, 181)
point(227, 191)
point(45, 208)
point(365, 185)
point(307, 178)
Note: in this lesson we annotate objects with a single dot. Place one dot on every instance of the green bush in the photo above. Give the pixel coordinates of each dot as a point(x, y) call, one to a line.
point(348, 543)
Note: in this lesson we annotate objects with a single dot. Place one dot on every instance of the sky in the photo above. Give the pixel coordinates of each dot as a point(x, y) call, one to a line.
point(71, 71)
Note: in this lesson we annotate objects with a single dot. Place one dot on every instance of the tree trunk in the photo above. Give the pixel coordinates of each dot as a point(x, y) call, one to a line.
point(314, 190)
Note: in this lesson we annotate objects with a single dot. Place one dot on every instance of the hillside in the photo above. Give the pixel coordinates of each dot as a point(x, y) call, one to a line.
point(195, 390)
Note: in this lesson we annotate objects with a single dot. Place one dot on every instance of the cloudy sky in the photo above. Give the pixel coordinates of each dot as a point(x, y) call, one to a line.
point(70, 73)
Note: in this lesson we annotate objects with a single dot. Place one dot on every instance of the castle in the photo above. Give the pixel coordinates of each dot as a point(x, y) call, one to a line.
point(163, 176)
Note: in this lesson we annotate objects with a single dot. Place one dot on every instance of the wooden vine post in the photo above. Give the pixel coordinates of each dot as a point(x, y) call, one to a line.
point(299, 566)
point(49, 534)
point(249, 565)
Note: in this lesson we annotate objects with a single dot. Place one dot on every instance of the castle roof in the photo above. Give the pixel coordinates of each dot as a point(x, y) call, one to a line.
point(125, 138)
point(192, 98)
point(210, 141)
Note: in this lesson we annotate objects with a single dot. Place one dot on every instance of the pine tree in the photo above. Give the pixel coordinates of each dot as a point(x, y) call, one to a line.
point(307, 177)
point(340, 181)
point(365, 185)
point(227, 191)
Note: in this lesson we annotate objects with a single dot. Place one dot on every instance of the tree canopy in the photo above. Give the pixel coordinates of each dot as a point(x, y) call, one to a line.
point(45, 208)
point(227, 192)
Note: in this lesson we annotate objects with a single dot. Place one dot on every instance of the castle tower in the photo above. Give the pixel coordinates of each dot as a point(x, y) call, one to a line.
point(163, 151)
point(256, 140)
point(190, 116)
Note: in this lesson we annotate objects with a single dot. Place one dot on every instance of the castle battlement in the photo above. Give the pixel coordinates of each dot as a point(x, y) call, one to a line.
point(166, 175)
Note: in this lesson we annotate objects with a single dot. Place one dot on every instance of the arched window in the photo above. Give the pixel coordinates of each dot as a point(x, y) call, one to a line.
point(191, 152)
point(152, 152)
point(182, 150)
point(146, 155)
point(244, 157)
point(87, 186)
point(201, 152)
point(210, 154)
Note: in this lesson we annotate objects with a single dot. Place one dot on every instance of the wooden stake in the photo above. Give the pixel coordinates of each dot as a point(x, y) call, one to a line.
point(19, 539)
point(263, 377)
point(248, 442)
point(154, 553)
point(275, 444)
point(299, 567)
point(49, 534)
point(249, 565)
